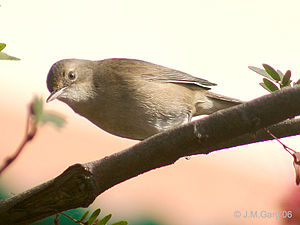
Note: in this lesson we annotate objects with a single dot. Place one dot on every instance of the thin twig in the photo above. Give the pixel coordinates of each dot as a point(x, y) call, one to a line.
point(71, 218)
point(56, 219)
point(295, 155)
point(30, 131)
point(288, 149)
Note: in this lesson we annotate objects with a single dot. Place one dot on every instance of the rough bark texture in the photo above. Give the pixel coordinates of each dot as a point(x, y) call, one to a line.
point(80, 184)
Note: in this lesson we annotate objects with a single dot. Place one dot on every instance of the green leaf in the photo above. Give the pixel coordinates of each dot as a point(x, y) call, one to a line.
point(280, 74)
point(84, 216)
point(270, 85)
point(286, 80)
point(56, 120)
point(37, 108)
point(264, 86)
point(104, 220)
point(120, 223)
point(260, 71)
point(2, 46)
point(94, 215)
point(297, 82)
point(272, 72)
point(4, 56)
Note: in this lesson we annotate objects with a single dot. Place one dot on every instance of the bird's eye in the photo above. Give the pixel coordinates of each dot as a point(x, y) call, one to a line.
point(71, 75)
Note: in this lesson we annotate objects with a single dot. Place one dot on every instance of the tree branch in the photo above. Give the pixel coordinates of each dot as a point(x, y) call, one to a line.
point(80, 184)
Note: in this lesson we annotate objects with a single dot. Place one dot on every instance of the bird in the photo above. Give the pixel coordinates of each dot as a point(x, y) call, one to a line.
point(132, 98)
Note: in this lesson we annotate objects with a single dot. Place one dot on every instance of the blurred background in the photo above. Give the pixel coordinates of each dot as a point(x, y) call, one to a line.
point(216, 40)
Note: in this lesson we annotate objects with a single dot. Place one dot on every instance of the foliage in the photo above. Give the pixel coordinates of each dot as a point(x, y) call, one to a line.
point(274, 79)
point(4, 56)
point(41, 117)
point(93, 220)
point(36, 117)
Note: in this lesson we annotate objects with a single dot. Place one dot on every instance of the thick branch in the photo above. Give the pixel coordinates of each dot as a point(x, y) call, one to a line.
point(79, 185)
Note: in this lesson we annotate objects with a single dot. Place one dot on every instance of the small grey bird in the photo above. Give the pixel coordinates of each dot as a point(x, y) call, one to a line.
point(132, 98)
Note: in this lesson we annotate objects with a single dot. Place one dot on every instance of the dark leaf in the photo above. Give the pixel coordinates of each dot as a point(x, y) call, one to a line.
point(104, 220)
point(286, 79)
point(264, 86)
point(84, 216)
point(272, 72)
point(120, 223)
point(270, 85)
point(94, 215)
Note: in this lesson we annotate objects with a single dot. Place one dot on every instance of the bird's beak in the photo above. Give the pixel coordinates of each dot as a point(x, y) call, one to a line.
point(55, 94)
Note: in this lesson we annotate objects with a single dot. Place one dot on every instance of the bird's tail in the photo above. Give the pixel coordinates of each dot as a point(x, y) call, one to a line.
point(216, 103)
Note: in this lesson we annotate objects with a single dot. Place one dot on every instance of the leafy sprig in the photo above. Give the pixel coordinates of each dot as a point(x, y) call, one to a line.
point(93, 219)
point(4, 56)
point(274, 79)
point(37, 116)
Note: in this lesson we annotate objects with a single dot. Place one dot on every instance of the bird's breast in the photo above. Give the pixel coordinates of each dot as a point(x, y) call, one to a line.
point(137, 113)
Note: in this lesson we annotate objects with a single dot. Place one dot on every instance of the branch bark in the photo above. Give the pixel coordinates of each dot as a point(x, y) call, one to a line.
point(80, 184)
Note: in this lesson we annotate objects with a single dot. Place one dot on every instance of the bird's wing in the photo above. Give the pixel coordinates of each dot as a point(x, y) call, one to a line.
point(154, 72)
point(164, 74)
